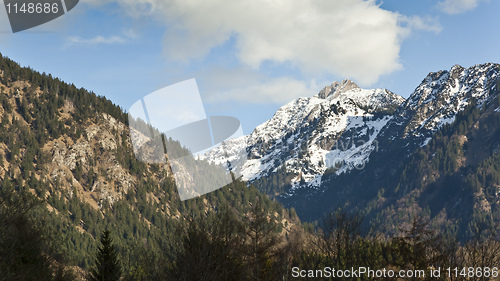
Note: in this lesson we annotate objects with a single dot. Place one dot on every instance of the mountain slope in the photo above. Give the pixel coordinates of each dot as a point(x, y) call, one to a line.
point(72, 149)
point(365, 149)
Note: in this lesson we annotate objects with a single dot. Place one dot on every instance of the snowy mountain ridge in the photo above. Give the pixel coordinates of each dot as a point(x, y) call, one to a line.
point(442, 94)
point(336, 130)
point(303, 135)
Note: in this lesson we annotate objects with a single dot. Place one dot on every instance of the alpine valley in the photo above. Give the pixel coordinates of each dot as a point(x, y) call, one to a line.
point(346, 178)
point(436, 152)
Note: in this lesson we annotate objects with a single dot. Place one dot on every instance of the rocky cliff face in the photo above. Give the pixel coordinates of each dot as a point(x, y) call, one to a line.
point(94, 152)
point(337, 88)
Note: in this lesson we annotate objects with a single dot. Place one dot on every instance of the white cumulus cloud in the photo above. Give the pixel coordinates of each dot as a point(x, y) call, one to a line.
point(347, 38)
point(354, 39)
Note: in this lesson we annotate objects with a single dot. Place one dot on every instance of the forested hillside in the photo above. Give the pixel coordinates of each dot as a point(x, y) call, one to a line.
point(69, 151)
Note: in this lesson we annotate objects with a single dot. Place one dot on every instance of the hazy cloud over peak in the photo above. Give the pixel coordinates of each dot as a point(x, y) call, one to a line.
point(453, 7)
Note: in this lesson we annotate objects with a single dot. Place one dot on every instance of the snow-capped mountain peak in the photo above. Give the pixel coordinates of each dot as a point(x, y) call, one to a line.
point(311, 134)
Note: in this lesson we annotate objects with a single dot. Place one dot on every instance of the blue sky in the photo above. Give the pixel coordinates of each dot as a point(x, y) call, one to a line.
point(251, 57)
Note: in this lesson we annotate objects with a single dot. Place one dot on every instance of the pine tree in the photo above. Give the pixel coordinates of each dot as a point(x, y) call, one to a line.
point(107, 266)
point(262, 243)
point(419, 246)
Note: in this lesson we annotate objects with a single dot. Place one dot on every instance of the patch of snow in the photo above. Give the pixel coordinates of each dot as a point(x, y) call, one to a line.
point(426, 141)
